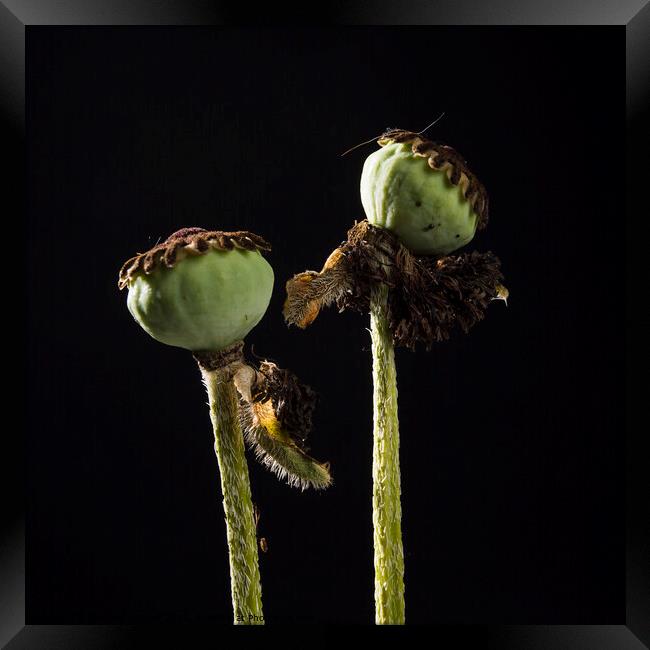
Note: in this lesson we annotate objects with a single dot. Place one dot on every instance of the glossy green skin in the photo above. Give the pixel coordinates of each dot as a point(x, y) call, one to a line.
point(205, 302)
point(400, 192)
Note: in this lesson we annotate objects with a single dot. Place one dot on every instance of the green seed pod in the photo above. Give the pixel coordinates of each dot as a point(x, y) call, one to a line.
point(423, 192)
point(200, 290)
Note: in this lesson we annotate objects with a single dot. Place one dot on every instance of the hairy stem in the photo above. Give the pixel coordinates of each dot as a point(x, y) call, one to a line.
point(237, 504)
point(387, 509)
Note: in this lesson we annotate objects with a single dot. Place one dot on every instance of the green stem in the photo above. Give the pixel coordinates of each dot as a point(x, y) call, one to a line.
point(387, 509)
point(237, 504)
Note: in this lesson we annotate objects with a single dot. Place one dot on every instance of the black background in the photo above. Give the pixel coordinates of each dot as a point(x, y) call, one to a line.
point(512, 443)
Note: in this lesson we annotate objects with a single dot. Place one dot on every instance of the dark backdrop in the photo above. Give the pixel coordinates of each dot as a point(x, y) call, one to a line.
point(512, 443)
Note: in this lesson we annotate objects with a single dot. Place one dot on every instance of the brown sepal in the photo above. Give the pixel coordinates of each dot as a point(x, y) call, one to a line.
point(220, 359)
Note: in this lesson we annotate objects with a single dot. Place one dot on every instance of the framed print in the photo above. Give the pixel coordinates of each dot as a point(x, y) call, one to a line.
point(393, 245)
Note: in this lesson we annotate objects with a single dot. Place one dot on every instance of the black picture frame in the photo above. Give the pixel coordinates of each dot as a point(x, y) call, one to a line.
point(16, 17)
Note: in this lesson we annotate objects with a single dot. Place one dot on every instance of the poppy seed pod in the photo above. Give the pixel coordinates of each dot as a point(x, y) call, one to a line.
point(200, 290)
point(423, 192)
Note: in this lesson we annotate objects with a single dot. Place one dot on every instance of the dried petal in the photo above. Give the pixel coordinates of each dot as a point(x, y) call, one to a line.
point(276, 416)
point(428, 297)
